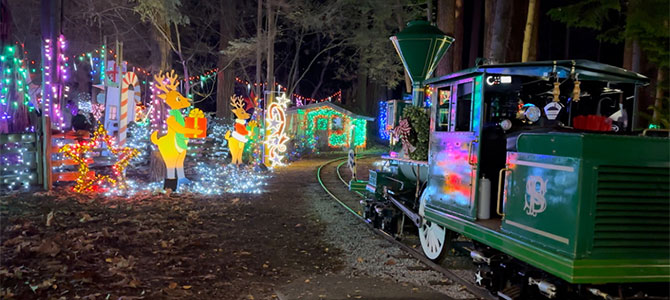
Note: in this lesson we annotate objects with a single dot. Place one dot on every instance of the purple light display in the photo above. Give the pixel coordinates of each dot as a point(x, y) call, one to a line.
point(55, 75)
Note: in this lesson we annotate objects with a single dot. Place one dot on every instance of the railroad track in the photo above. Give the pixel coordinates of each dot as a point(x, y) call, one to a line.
point(352, 205)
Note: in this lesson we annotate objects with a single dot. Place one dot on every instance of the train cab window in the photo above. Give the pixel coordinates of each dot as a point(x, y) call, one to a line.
point(443, 107)
point(463, 106)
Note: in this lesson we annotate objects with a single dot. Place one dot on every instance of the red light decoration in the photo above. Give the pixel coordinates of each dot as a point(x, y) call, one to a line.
point(87, 182)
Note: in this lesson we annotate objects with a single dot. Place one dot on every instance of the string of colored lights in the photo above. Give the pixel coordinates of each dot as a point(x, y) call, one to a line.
point(14, 71)
point(53, 90)
point(302, 99)
point(382, 121)
point(17, 159)
point(158, 110)
point(98, 68)
point(97, 60)
point(231, 180)
point(324, 118)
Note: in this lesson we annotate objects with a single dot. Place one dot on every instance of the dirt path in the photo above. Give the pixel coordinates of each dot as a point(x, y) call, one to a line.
point(167, 247)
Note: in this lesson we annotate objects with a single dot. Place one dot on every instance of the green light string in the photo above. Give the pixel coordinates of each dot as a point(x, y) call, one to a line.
point(360, 132)
point(321, 119)
point(103, 64)
point(14, 72)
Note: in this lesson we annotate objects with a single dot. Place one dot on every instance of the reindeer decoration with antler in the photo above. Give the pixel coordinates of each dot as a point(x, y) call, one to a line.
point(239, 136)
point(174, 144)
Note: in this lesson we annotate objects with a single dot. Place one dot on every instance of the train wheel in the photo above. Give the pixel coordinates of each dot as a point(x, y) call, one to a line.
point(434, 240)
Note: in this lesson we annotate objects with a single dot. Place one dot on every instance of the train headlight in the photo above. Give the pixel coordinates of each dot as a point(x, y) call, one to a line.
point(532, 113)
point(505, 124)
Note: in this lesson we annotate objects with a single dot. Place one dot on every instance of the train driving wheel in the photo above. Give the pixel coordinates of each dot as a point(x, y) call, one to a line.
point(434, 240)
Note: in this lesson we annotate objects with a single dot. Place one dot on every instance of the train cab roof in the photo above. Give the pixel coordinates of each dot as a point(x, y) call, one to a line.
point(586, 70)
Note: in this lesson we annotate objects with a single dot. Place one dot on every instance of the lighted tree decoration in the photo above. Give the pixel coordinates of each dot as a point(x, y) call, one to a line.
point(14, 91)
point(88, 181)
point(276, 139)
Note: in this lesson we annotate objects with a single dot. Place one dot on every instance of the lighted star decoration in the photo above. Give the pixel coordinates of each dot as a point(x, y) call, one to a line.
point(277, 138)
point(274, 124)
point(283, 101)
point(88, 181)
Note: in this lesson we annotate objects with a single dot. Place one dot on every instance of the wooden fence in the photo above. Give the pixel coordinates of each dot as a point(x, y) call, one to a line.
point(57, 141)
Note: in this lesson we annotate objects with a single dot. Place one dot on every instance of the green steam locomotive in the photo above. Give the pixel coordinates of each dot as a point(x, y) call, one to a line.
point(540, 166)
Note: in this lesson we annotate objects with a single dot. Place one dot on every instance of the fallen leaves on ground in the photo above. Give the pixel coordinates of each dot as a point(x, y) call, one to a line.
point(180, 246)
point(118, 248)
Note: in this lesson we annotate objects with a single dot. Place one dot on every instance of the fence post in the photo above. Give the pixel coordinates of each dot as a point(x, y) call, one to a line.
point(46, 143)
point(39, 157)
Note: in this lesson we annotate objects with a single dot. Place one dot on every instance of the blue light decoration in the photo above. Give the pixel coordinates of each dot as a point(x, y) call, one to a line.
point(381, 121)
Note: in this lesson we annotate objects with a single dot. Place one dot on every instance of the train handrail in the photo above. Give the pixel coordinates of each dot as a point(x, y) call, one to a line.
point(470, 148)
point(402, 184)
point(500, 179)
point(644, 132)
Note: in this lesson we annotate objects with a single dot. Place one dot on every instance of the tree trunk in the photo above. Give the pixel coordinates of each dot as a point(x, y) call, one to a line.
point(295, 64)
point(160, 62)
point(658, 99)
point(361, 88)
point(532, 52)
point(323, 73)
point(500, 30)
point(459, 10)
point(259, 57)
point(225, 84)
point(475, 35)
point(429, 11)
point(401, 25)
point(628, 54)
point(528, 31)
point(517, 23)
point(271, 32)
point(636, 57)
point(446, 23)
point(187, 83)
point(157, 170)
point(566, 50)
point(162, 53)
point(489, 9)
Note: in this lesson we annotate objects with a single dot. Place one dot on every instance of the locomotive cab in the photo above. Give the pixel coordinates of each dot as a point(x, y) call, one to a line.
point(478, 115)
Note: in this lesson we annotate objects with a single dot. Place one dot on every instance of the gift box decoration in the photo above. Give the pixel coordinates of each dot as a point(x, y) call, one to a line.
point(196, 120)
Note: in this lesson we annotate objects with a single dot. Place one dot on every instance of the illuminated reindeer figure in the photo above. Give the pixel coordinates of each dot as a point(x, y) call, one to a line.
point(239, 137)
point(174, 144)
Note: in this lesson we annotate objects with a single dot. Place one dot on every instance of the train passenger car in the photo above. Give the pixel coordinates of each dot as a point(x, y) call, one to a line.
point(540, 166)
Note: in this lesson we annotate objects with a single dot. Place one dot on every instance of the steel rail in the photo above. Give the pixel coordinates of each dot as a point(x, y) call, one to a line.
point(318, 176)
point(342, 179)
point(477, 291)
